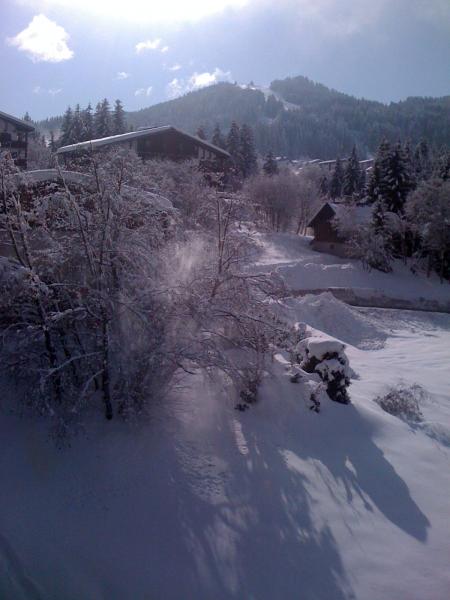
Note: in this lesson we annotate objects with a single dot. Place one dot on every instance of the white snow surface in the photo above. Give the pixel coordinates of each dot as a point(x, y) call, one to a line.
point(302, 268)
point(206, 502)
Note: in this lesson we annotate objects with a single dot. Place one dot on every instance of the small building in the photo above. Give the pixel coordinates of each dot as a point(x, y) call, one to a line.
point(164, 142)
point(323, 223)
point(14, 138)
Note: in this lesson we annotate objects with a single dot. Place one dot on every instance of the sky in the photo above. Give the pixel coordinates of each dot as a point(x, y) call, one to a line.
point(55, 53)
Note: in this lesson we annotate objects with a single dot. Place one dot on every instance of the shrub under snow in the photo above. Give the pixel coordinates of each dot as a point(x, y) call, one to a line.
point(327, 358)
point(403, 401)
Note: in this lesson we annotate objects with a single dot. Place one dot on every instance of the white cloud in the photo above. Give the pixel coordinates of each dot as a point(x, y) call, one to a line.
point(177, 87)
point(175, 67)
point(142, 11)
point(148, 45)
point(51, 91)
point(144, 91)
point(122, 75)
point(165, 49)
point(43, 41)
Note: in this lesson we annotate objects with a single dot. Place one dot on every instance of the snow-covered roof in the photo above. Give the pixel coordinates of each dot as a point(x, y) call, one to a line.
point(73, 177)
point(19, 122)
point(330, 210)
point(147, 132)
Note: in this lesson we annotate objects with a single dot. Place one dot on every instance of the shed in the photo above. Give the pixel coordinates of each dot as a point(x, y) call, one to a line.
point(326, 237)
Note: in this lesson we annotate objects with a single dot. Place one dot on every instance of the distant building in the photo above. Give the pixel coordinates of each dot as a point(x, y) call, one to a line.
point(326, 236)
point(164, 142)
point(14, 138)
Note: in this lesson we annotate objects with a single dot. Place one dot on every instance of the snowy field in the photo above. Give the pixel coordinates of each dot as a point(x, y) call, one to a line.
point(206, 502)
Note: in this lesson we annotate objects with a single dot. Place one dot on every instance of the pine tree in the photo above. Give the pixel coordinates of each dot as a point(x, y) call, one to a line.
point(118, 118)
point(88, 123)
point(201, 133)
point(65, 137)
point(102, 119)
point(391, 179)
point(217, 138)
point(324, 186)
point(27, 118)
point(233, 145)
point(270, 166)
point(422, 161)
point(442, 165)
point(337, 179)
point(352, 176)
point(77, 125)
point(249, 162)
point(52, 141)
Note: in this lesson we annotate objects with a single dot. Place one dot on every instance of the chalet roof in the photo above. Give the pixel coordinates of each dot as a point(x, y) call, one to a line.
point(330, 210)
point(159, 203)
point(150, 131)
point(17, 122)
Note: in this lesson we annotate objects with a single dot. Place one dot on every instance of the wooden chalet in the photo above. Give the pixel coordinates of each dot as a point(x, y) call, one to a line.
point(14, 138)
point(326, 237)
point(164, 142)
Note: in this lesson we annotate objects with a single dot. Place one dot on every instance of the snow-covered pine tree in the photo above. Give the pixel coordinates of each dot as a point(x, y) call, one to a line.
point(337, 179)
point(102, 119)
point(249, 164)
point(118, 118)
point(352, 176)
point(52, 143)
point(233, 144)
point(270, 166)
point(442, 165)
point(88, 123)
point(77, 125)
point(217, 138)
point(65, 137)
point(375, 187)
point(422, 161)
point(391, 179)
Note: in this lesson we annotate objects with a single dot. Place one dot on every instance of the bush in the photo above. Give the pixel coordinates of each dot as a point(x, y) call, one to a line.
point(327, 358)
point(403, 401)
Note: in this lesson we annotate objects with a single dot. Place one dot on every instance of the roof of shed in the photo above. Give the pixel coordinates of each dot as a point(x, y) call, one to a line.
point(329, 210)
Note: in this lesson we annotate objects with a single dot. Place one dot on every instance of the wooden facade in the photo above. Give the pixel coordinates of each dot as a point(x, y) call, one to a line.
point(14, 138)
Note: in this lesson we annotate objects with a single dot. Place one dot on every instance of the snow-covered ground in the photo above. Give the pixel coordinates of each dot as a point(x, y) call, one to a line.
point(206, 502)
point(305, 269)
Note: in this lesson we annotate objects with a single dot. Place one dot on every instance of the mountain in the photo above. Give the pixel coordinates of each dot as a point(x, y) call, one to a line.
point(297, 118)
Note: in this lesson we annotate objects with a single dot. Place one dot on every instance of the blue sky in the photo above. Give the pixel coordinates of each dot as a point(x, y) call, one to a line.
point(143, 52)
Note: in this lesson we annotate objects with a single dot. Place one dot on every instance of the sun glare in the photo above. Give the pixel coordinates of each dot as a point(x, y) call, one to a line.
point(151, 10)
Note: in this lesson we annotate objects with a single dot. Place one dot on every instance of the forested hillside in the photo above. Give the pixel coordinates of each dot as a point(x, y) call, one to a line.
point(300, 118)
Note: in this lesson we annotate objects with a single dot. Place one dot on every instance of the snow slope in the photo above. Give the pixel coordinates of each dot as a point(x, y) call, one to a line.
point(204, 501)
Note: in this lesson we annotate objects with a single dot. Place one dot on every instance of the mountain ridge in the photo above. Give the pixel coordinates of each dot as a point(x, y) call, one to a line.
point(297, 117)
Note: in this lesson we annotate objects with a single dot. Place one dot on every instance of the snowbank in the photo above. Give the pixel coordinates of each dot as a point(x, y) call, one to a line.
point(337, 319)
